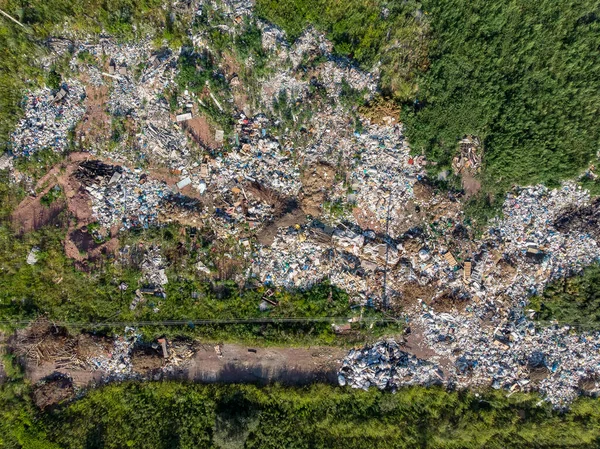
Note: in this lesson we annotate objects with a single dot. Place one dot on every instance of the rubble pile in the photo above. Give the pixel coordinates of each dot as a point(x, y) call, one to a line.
point(153, 268)
point(493, 341)
point(330, 75)
point(501, 355)
point(48, 119)
point(118, 364)
point(385, 366)
point(128, 198)
point(336, 198)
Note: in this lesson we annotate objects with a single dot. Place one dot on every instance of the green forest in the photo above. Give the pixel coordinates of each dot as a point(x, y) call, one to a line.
point(171, 415)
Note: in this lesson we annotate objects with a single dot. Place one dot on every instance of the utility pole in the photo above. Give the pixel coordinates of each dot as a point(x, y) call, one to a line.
point(387, 253)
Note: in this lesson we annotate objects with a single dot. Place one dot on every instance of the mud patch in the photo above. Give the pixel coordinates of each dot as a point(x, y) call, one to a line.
point(470, 183)
point(32, 215)
point(94, 127)
point(409, 295)
point(267, 235)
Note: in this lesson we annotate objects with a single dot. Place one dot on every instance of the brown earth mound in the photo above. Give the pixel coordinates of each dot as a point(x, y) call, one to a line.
point(201, 131)
point(146, 359)
point(53, 390)
point(316, 182)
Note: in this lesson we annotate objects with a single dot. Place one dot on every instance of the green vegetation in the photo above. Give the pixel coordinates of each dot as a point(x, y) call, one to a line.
point(54, 287)
point(572, 300)
point(518, 75)
point(172, 415)
point(250, 53)
point(393, 33)
point(38, 164)
point(53, 194)
point(199, 73)
point(53, 80)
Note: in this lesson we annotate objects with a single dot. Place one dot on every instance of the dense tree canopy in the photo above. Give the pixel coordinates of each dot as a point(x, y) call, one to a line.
point(172, 415)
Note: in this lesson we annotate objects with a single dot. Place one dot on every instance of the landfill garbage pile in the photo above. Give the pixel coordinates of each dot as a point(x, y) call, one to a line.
point(310, 190)
point(331, 75)
point(501, 356)
point(378, 174)
point(48, 119)
point(492, 341)
point(385, 366)
point(153, 267)
point(128, 198)
point(118, 365)
point(32, 257)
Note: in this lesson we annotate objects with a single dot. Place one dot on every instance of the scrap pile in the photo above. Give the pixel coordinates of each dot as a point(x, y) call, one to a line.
point(127, 197)
point(153, 268)
point(311, 190)
point(492, 341)
point(118, 364)
point(48, 119)
point(385, 366)
point(501, 355)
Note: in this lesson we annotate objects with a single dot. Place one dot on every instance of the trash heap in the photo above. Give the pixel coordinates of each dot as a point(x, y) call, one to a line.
point(493, 342)
point(47, 119)
point(128, 198)
point(118, 365)
point(153, 268)
point(385, 366)
point(381, 221)
point(501, 356)
point(331, 75)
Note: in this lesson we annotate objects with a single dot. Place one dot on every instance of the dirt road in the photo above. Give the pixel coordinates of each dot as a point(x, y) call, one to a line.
point(294, 366)
point(237, 364)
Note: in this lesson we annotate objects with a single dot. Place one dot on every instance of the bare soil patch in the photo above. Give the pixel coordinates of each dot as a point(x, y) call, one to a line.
point(470, 183)
point(53, 390)
point(201, 131)
point(32, 215)
point(414, 342)
point(448, 302)
point(267, 235)
point(410, 293)
point(238, 363)
point(94, 127)
point(367, 220)
point(316, 181)
point(146, 359)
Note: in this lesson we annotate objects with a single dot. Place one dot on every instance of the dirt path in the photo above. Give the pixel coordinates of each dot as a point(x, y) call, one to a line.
point(237, 364)
point(296, 366)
